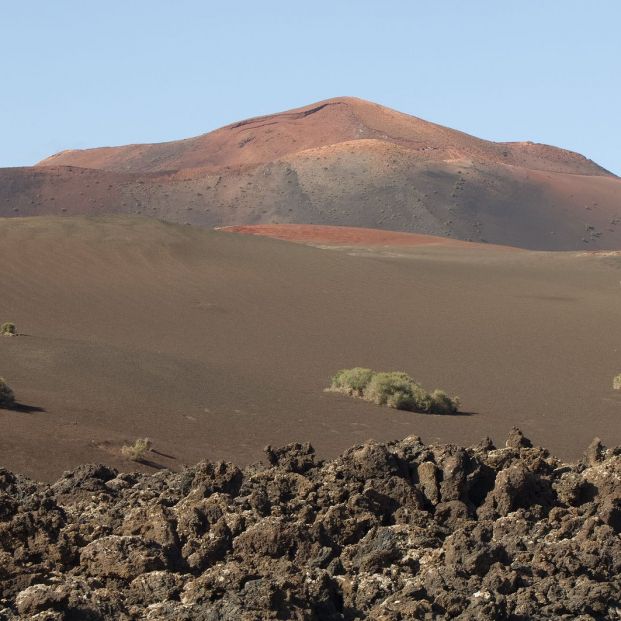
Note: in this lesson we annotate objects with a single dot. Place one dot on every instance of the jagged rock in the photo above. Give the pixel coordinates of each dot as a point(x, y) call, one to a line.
point(610, 513)
point(516, 487)
point(153, 587)
point(75, 598)
point(485, 445)
point(517, 440)
point(271, 537)
point(454, 465)
point(122, 557)
point(209, 477)
point(296, 457)
point(450, 513)
point(386, 531)
point(370, 461)
point(377, 550)
point(38, 598)
point(428, 475)
point(87, 478)
point(594, 452)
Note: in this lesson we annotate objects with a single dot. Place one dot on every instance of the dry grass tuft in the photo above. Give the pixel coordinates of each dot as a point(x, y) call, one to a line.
point(8, 329)
point(137, 450)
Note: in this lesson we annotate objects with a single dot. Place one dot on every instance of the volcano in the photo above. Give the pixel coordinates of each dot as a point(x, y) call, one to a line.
point(339, 162)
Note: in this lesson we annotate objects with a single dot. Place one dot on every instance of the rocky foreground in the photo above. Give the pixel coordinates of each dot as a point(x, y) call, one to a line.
point(386, 531)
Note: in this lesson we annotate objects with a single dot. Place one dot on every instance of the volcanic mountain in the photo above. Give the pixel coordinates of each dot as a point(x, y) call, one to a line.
point(345, 162)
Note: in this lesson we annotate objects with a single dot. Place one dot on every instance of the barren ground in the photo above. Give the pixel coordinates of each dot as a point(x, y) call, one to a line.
point(216, 344)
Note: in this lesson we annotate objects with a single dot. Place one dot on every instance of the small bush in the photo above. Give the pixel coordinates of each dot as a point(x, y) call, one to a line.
point(441, 403)
point(404, 400)
point(397, 390)
point(394, 389)
point(137, 450)
point(352, 382)
point(7, 398)
point(8, 329)
point(616, 382)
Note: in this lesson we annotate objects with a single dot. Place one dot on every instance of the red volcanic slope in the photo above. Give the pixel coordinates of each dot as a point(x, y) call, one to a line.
point(341, 162)
point(267, 138)
point(346, 236)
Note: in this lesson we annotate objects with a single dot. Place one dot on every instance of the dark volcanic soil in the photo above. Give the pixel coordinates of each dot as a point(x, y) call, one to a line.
point(215, 344)
point(386, 531)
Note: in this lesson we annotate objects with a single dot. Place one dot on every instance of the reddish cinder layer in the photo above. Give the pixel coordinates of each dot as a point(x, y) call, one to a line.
point(346, 235)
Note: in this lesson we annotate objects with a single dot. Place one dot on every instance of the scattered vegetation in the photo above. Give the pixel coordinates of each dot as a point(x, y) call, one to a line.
point(352, 382)
point(8, 329)
point(616, 382)
point(394, 389)
point(7, 398)
point(137, 450)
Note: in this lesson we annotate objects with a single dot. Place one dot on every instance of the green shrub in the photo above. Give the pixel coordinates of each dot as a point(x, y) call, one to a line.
point(616, 382)
point(405, 400)
point(8, 329)
point(7, 398)
point(351, 381)
point(441, 403)
point(137, 450)
point(397, 390)
point(394, 389)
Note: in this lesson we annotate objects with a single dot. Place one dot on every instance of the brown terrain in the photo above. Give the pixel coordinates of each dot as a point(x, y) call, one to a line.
point(349, 235)
point(345, 162)
point(215, 344)
point(394, 532)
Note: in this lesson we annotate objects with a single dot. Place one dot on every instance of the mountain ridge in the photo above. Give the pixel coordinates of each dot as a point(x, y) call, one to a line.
point(372, 120)
point(340, 162)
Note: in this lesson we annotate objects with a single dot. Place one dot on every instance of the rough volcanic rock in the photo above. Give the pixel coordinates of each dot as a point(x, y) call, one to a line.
point(386, 531)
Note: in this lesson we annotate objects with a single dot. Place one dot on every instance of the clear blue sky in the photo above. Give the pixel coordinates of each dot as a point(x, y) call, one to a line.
point(80, 74)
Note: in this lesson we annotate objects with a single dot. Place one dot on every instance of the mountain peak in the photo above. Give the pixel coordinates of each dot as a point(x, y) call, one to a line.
point(258, 140)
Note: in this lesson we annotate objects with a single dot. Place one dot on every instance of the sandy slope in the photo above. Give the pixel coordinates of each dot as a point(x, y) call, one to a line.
point(216, 344)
